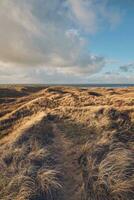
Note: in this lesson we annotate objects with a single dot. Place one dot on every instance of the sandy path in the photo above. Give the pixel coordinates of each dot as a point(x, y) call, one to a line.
point(66, 157)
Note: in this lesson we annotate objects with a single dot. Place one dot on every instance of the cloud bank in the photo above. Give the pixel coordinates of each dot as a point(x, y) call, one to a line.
point(49, 37)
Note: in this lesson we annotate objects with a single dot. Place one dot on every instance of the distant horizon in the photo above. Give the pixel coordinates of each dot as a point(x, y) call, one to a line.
point(69, 84)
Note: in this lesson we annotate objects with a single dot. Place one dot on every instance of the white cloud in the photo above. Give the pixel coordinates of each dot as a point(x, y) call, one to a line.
point(49, 34)
point(91, 14)
point(85, 14)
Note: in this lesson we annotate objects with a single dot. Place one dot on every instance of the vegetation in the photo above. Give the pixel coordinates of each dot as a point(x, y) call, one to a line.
point(67, 143)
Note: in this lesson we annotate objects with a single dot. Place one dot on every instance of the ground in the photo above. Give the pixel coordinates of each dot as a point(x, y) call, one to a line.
point(66, 143)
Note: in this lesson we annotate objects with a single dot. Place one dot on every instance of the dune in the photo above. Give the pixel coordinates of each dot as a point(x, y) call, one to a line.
point(60, 143)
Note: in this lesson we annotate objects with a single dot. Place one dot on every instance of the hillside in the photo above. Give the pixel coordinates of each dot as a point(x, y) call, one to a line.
point(66, 143)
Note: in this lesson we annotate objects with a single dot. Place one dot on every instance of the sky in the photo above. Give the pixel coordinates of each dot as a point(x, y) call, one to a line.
point(66, 41)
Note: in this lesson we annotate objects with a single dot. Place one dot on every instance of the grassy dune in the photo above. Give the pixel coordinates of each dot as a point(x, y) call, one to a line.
point(60, 143)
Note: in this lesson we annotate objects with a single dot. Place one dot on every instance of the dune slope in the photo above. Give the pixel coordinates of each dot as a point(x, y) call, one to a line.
point(67, 143)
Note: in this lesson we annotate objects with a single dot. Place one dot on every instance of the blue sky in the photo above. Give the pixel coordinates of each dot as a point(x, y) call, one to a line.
point(67, 41)
point(117, 42)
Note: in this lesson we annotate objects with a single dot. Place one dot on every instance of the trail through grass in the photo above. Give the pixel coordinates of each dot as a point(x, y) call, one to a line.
point(67, 164)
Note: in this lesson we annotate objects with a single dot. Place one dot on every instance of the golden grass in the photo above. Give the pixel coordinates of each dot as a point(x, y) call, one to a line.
point(98, 121)
point(25, 164)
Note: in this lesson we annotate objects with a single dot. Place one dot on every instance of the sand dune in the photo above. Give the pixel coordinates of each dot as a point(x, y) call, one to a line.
point(61, 143)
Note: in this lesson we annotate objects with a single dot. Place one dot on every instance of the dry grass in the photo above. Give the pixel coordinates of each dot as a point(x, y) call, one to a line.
point(108, 173)
point(97, 120)
point(25, 165)
point(108, 163)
